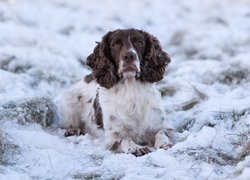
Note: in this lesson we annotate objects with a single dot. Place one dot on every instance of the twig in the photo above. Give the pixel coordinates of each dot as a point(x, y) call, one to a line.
point(49, 158)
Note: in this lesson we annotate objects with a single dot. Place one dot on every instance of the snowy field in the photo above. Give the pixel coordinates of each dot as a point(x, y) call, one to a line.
point(206, 90)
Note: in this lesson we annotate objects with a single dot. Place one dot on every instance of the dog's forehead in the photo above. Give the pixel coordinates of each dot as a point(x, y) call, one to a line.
point(126, 33)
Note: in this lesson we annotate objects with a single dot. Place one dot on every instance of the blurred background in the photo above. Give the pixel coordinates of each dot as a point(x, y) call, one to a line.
point(55, 35)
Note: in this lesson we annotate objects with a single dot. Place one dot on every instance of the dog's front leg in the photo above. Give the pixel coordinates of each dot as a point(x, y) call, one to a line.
point(162, 139)
point(119, 144)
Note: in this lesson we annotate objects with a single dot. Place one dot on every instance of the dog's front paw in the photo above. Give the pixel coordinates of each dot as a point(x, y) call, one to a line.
point(141, 151)
point(74, 132)
point(165, 146)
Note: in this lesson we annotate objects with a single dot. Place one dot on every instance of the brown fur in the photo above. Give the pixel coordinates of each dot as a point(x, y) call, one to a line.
point(98, 112)
point(103, 68)
point(154, 61)
point(88, 78)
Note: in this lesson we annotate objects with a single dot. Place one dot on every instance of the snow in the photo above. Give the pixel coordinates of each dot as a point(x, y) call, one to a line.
point(207, 86)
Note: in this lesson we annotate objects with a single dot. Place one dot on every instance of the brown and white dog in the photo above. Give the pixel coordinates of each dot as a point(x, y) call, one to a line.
point(119, 100)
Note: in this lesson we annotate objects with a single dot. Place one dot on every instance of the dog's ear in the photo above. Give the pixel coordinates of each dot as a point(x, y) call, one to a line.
point(103, 69)
point(155, 60)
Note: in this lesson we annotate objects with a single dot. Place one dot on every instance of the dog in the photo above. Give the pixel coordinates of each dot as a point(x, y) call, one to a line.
point(118, 100)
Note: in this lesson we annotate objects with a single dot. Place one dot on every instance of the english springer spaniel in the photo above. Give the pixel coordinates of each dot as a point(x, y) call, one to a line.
point(118, 99)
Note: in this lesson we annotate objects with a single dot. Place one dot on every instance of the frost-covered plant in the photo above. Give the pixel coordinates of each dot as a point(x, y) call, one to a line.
point(2, 149)
point(212, 156)
point(234, 75)
point(231, 117)
point(7, 150)
point(40, 110)
point(97, 175)
point(11, 64)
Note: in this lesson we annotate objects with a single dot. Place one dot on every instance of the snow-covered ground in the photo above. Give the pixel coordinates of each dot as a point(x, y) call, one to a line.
point(206, 89)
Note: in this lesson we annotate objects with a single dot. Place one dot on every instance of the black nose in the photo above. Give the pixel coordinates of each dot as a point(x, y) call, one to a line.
point(129, 57)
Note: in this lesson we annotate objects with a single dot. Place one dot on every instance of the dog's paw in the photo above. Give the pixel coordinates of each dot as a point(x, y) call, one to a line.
point(74, 132)
point(165, 146)
point(141, 151)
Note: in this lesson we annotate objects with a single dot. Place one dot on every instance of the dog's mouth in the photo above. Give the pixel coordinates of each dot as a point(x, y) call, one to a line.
point(130, 71)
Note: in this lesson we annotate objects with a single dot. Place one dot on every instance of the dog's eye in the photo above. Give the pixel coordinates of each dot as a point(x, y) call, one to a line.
point(139, 43)
point(116, 45)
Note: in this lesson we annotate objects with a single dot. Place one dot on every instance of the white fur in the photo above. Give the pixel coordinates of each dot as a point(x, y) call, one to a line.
point(135, 106)
point(75, 110)
point(130, 109)
point(137, 61)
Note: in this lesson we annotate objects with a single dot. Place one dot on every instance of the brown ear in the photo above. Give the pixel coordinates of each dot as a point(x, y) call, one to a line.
point(103, 69)
point(154, 64)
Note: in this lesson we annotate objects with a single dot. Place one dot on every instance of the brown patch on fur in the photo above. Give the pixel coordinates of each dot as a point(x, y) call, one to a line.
point(112, 118)
point(115, 146)
point(141, 151)
point(79, 98)
point(117, 135)
point(166, 146)
point(98, 112)
point(147, 139)
point(88, 78)
point(89, 101)
point(74, 132)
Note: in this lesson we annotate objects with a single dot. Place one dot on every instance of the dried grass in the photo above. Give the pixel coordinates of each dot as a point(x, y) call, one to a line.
point(7, 150)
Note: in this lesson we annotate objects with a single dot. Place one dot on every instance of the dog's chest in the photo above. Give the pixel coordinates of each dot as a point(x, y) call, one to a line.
point(129, 106)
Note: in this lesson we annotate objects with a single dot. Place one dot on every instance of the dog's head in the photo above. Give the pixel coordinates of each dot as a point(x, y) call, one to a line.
point(128, 53)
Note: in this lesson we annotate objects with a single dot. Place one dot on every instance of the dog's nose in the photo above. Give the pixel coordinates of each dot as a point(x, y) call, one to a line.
point(129, 57)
